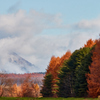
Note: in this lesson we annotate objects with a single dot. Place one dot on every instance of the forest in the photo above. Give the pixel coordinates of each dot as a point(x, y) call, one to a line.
point(74, 74)
point(20, 85)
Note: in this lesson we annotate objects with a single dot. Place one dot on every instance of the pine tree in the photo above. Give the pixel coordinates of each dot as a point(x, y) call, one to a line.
point(64, 83)
point(47, 86)
point(81, 71)
point(72, 75)
point(67, 76)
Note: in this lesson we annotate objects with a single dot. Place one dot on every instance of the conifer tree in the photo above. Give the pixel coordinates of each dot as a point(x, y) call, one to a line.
point(47, 86)
point(67, 76)
point(72, 75)
point(80, 73)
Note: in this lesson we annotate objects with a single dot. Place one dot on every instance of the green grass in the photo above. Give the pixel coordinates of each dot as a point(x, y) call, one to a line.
point(24, 98)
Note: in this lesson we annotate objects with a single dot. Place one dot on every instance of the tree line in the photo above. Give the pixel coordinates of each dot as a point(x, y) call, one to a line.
point(26, 88)
point(74, 74)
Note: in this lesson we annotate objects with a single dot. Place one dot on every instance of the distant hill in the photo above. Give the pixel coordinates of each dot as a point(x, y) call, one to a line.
point(17, 64)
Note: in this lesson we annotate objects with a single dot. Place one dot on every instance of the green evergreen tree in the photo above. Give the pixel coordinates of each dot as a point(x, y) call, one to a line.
point(80, 73)
point(47, 86)
point(72, 75)
point(64, 78)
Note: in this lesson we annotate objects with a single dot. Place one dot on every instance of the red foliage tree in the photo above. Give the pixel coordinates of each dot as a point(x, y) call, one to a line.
point(93, 79)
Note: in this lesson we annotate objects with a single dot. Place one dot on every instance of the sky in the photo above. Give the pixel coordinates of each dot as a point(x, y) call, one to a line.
point(39, 29)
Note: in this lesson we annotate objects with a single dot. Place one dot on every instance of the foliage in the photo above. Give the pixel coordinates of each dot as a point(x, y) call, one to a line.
point(72, 75)
point(80, 73)
point(8, 88)
point(90, 43)
point(5, 82)
point(72, 79)
point(54, 67)
point(66, 76)
point(29, 89)
point(93, 79)
point(47, 86)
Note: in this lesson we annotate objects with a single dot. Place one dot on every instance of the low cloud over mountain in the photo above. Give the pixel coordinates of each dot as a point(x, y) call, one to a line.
point(17, 64)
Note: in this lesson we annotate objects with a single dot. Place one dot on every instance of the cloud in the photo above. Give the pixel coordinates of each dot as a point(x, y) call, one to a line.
point(21, 32)
point(93, 25)
point(31, 23)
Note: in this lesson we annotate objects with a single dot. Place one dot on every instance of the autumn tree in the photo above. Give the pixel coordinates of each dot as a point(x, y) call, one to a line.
point(54, 67)
point(93, 79)
point(68, 71)
point(29, 89)
point(90, 43)
point(4, 82)
point(55, 64)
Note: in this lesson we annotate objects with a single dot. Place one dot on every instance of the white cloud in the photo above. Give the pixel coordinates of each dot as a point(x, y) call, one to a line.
point(33, 22)
point(89, 24)
point(21, 32)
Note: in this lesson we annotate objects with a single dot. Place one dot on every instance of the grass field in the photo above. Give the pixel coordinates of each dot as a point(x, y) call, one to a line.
point(12, 98)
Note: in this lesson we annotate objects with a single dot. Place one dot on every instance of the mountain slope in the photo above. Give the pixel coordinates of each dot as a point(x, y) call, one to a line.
point(17, 64)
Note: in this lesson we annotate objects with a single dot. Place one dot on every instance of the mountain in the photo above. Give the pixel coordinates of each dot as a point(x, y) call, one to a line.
point(17, 64)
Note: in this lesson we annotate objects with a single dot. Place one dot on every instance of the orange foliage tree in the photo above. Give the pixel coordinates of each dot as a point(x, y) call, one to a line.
point(29, 89)
point(90, 43)
point(55, 64)
point(93, 79)
point(54, 67)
